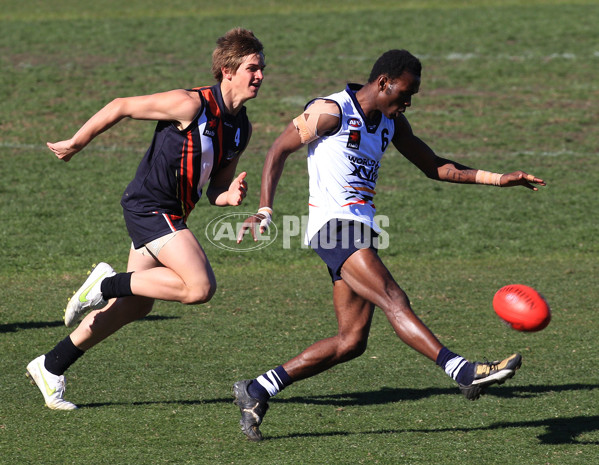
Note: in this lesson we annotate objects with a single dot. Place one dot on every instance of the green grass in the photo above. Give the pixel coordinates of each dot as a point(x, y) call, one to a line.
point(506, 85)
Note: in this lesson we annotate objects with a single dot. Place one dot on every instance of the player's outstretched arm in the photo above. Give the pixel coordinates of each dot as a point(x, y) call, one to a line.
point(441, 169)
point(178, 105)
point(454, 172)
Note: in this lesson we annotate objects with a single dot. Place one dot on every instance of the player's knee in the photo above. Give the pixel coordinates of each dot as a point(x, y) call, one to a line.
point(351, 348)
point(200, 294)
point(397, 303)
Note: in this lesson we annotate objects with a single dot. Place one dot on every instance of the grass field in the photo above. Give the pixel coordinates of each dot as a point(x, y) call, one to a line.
point(506, 85)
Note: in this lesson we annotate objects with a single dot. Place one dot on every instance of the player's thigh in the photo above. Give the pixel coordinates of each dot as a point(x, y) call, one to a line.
point(366, 274)
point(354, 312)
point(139, 261)
point(184, 255)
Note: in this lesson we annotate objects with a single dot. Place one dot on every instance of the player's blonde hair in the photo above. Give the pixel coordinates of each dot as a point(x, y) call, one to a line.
point(232, 48)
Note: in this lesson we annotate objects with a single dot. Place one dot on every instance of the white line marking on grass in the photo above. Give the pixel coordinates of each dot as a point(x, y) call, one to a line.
point(523, 56)
point(539, 153)
point(460, 56)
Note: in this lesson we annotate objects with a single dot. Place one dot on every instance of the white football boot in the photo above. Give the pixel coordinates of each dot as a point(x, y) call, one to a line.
point(51, 386)
point(88, 297)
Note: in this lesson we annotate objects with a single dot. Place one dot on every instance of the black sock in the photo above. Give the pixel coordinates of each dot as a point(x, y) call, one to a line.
point(64, 354)
point(118, 285)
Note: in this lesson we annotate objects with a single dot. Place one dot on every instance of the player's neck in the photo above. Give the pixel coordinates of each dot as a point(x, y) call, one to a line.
point(366, 98)
point(233, 103)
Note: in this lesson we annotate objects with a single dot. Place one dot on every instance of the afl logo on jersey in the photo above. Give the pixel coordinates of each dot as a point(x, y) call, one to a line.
point(210, 129)
point(354, 123)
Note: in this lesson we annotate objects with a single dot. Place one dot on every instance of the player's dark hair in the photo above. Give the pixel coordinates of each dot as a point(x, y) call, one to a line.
point(393, 63)
point(232, 48)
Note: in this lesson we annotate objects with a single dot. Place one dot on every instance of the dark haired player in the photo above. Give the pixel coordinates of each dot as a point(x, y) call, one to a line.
point(347, 134)
point(197, 143)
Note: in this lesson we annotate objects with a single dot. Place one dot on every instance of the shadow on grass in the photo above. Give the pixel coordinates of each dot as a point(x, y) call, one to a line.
point(14, 327)
point(390, 395)
point(557, 430)
point(383, 396)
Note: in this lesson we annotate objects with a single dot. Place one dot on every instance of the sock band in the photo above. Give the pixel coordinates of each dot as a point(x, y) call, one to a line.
point(270, 383)
point(453, 367)
point(456, 366)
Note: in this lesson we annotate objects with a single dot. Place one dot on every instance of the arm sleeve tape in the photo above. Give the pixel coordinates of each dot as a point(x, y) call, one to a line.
point(486, 177)
point(307, 123)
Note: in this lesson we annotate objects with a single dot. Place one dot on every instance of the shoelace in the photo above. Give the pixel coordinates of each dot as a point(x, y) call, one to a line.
point(489, 366)
point(62, 386)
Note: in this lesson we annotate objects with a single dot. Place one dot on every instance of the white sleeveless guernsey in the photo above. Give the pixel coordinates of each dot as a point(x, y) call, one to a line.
point(343, 166)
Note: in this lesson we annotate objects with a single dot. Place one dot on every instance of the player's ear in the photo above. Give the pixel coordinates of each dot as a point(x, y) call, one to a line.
point(382, 82)
point(227, 73)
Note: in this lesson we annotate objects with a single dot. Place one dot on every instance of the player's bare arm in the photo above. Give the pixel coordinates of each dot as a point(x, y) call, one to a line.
point(287, 143)
point(179, 106)
point(318, 120)
point(441, 169)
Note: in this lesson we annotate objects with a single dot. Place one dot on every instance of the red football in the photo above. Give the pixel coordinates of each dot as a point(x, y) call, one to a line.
point(522, 307)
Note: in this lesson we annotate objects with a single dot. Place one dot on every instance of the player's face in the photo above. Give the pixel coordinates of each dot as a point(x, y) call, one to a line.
point(398, 94)
point(248, 77)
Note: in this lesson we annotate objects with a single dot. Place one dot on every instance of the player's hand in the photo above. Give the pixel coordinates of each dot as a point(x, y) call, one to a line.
point(237, 190)
point(64, 150)
point(260, 221)
point(520, 178)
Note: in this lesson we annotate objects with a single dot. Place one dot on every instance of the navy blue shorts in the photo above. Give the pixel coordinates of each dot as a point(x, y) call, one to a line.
point(145, 227)
point(339, 239)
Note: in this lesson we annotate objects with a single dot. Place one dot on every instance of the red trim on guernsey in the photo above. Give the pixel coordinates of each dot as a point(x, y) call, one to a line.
point(186, 175)
point(189, 174)
point(359, 202)
point(182, 188)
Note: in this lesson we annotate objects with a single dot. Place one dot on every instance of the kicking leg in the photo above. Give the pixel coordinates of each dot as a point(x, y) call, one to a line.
point(366, 274)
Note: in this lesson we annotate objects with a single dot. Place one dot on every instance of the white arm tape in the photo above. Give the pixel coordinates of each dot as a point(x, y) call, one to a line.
point(267, 213)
